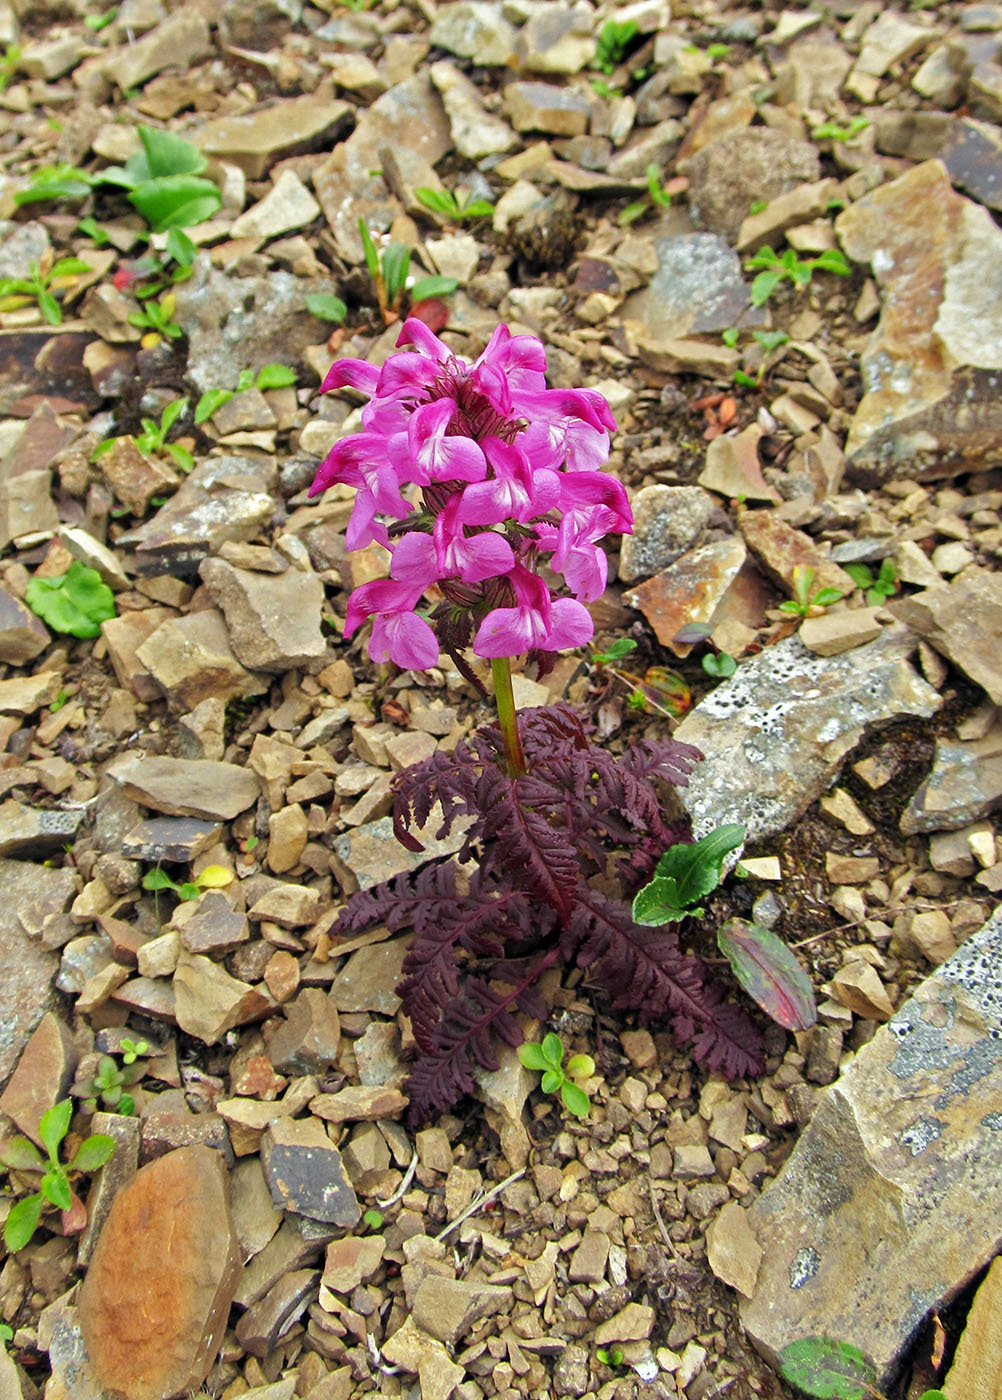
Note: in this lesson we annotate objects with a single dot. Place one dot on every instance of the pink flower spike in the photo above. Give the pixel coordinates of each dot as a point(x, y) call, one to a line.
point(516, 492)
point(436, 456)
point(581, 490)
point(473, 558)
point(355, 374)
point(398, 634)
point(535, 621)
point(415, 560)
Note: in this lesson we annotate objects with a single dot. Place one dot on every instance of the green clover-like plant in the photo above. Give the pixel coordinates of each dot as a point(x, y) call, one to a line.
point(547, 1056)
point(774, 268)
point(21, 1155)
point(213, 877)
point(613, 43)
point(37, 286)
point(75, 603)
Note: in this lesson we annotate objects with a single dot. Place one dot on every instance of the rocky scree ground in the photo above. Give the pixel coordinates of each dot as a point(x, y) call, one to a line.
point(220, 720)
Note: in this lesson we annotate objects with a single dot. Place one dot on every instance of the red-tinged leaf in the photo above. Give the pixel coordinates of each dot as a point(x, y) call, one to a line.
point(433, 312)
point(666, 691)
point(74, 1219)
point(769, 973)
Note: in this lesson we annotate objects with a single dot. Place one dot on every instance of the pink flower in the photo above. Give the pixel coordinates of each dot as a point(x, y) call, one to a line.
point(536, 621)
point(398, 634)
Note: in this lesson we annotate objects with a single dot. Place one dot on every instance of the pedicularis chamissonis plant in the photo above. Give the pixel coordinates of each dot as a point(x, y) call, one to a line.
point(475, 478)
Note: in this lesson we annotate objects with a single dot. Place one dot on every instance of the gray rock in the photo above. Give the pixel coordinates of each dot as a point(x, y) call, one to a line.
point(963, 620)
point(261, 1326)
point(288, 205)
point(182, 787)
point(446, 1308)
point(28, 830)
point(253, 141)
point(273, 619)
point(730, 173)
point(775, 734)
point(896, 1183)
point(180, 40)
point(697, 288)
point(170, 838)
point(305, 1172)
point(27, 507)
point(476, 133)
point(557, 38)
point(964, 784)
point(475, 29)
point(973, 159)
point(545, 107)
point(308, 1038)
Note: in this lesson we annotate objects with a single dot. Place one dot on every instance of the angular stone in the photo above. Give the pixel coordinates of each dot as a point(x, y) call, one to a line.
point(447, 1308)
point(775, 734)
point(558, 111)
point(253, 141)
point(687, 357)
point(799, 206)
point(305, 1173)
point(888, 40)
point(369, 978)
point(359, 1103)
point(977, 1363)
point(858, 987)
point(123, 637)
point(309, 1037)
point(270, 1317)
point(134, 477)
point(415, 1350)
point(208, 1001)
point(288, 205)
point(690, 590)
point(964, 784)
point(781, 549)
point(476, 133)
point(30, 831)
point(963, 620)
point(23, 695)
point(288, 833)
point(215, 927)
point(154, 1303)
point(183, 787)
point(834, 632)
point(289, 906)
point(170, 838)
point(972, 155)
point(474, 29)
point(900, 1156)
point(588, 1261)
point(255, 1217)
point(191, 659)
point(732, 1251)
point(634, 1323)
point(698, 289)
point(273, 620)
point(22, 634)
point(729, 174)
point(667, 521)
point(179, 40)
point(733, 468)
point(930, 369)
point(43, 1075)
point(351, 1261)
point(371, 853)
point(113, 1177)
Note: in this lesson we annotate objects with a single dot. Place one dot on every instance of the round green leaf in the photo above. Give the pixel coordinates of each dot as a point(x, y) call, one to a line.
point(21, 1155)
point(551, 1081)
point(553, 1050)
point(275, 377)
point(575, 1100)
point(56, 1188)
point(826, 1368)
point(532, 1055)
point(325, 306)
point(175, 201)
point(580, 1067)
point(76, 602)
point(22, 1222)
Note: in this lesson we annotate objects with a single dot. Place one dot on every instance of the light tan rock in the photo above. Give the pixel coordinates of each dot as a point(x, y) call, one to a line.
point(416, 1351)
point(732, 1251)
point(834, 632)
point(976, 1373)
point(857, 986)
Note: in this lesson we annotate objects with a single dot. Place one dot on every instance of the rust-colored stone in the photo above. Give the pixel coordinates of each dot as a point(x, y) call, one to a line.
point(154, 1303)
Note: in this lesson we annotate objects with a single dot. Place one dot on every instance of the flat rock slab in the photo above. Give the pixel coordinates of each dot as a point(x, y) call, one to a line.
point(774, 735)
point(154, 1303)
point(892, 1199)
point(186, 787)
point(963, 620)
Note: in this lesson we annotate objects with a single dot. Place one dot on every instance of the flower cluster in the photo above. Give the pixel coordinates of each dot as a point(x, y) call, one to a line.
point(487, 474)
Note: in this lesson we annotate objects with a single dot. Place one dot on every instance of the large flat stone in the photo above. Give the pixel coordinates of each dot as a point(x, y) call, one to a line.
point(775, 734)
point(186, 787)
point(963, 620)
point(892, 1199)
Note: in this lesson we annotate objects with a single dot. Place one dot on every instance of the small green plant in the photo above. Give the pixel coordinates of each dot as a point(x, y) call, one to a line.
point(547, 1056)
point(831, 131)
point(9, 64)
point(719, 664)
point(609, 1356)
point(38, 286)
point(94, 231)
point(613, 43)
point(326, 307)
point(6, 1334)
point(803, 600)
point(877, 587)
point(268, 377)
point(658, 196)
point(388, 271)
point(213, 877)
point(757, 205)
point(372, 1219)
point(444, 202)
point(95, 23)
point(153, 438)
point(165, 183)
point(833, 1370)
point(684, 874)
point(776, 269)
point(157, 317)
point(19, 1154)
point(58, 182)
point(620, 648)
point(110, 1082)
point(604, 89)
point(716, 51)
point(75, 603)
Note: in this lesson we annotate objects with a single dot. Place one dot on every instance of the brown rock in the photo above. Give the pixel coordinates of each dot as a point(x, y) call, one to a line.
point(208, 1001)
point(309, 1037)
point(781, 549)
point(134, 477)
point(287, 836)
point(415, 1350)
point(963, 620)
point(358, 1103)
point(154, 1302)
point(447, 1308)
point(273, 619)
point(42, 1077)
point(191, 660)
point(254, 140)
point(976, 1373)
point(186, 787)
point(305, 1172)
point(690, 590)
point(123, 637)
point(732, 1251)
point(352, 1260)
point(22, 634)
point(215, 927)
point(857, 986)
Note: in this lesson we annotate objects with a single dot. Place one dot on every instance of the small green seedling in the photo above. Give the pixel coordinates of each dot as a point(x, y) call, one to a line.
point(213, 877)
point(686, 873)
point(757, 205)
point(388, 271)
point(93, 230)
point(877, 588)
point(75, 603)
point(803, 601)
point(620, 648)
point(831, 131)
point(326, 307)
point(164, 181)
point(153, 438)
point(267, 377)
point(6, 1334)
point(110, 1082)
point(719, 664)
point(95, 23)
point(613, 43)
point(372, 1219)
point(832, 1370)
point(157, 317)
point(604, 89)
point(444, 202)
point(658, 196)
point(38, 286)
point(58, 182)
point(9, 64)
point(547, 1056)
point(776, 269)
point(609, 1356)
point(19, 1154)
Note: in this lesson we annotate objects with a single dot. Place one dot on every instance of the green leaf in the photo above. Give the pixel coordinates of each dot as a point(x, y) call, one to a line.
point(171, 414)
point(95, 23)
point(53, 185)
point(126, 1105)
point(395, 263)
point(209, 402)
point(933, 1395)
point(438, 201)
point(433, 287)
point(21, 1155)
point(575, 1099)
point(245, 380)
point(370, 250)
point(553, 1050)
point(826, 596)
point(275, 377)
point(696, 866)
point(860, 575)
point(325, 306)
point(730, 337)
point(188, 891)
point(658, 903)
point(22, 1222)
point(551, 1081)
point(92, 1153)
point(833, 261)
point(69, 267)
point(827, 1369)
point(746, 381)
point(757, 205)
point(532, 1055)
point(580, 1067)
point(181, 456)
point(771, 340)
point(373, 1218)
point(632, 212)
point(76, 602)
point(764, 285)
point(50, 308)
point(722, 665)
point(167, 155)
point(158, 879)
point(56, 1187)
point(53, 1126)
point(176, 201)
point(477, 209)
point(180, 247)
point(765, 257)
point(769, 972)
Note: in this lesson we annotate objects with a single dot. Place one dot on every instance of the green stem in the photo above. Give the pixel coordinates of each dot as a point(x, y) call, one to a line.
point(507, 717)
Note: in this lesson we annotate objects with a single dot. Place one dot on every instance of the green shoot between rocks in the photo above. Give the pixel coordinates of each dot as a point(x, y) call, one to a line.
point(547, 1056)
point(75, 603)
point(20, 1155)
